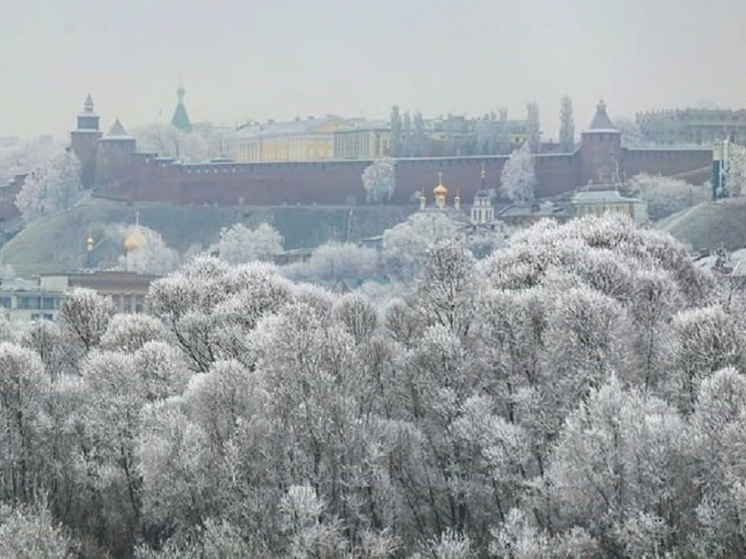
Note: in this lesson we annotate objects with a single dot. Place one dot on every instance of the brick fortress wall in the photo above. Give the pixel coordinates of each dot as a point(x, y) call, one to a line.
point(323, 183)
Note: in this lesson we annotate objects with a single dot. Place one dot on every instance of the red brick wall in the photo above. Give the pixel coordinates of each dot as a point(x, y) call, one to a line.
point(338, 182)
point(665, 162)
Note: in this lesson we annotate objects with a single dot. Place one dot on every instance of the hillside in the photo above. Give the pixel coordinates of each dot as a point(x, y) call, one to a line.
point(710, 225)
point(57, 242)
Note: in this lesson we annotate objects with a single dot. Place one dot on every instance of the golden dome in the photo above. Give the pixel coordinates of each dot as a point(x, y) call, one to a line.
point(440, 190)
point(136, 238)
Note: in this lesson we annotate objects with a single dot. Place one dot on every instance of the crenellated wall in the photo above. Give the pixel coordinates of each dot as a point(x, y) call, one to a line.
point(322, 183)
point(150, 178)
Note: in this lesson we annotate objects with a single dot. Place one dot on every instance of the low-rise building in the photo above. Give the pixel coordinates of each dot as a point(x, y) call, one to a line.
point(600, 202)
point(311, 139)
point(700, 126)
point(366, 140)
point(22, 300)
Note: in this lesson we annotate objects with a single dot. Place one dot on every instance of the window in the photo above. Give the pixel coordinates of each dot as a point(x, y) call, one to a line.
point(6, 302)
point(27, 303)
point(48, 303)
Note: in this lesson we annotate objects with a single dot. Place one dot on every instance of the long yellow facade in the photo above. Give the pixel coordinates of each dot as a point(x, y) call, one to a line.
point(299, 140)
point(287, 148)
point(312, 140)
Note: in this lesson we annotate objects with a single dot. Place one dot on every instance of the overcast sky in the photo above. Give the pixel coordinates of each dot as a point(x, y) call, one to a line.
point(280, 58)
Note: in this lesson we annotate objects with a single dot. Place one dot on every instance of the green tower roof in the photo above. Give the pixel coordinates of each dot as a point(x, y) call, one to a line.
point(180, 119)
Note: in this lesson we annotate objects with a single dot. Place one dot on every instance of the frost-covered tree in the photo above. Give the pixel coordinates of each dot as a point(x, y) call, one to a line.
point(601, 479)
point(168, 141)
point(334, 260)
point(518, 180)
point(129, 332)
point(30, 532)
point(25, 155)
point(395, 122)
point(567, 125)
point(533, 126)
point(23, 385)
point(239, 244)
point(735, 174)
point(379, 180)
point(151, 256)
point(631, 133)
point(84, 317)
point(52, 187)
point(665, 195)
point(448, 287)
point(404, 245)
point(578, 393)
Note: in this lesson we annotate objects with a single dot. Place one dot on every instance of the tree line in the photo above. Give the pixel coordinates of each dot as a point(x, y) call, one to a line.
point(579, 393)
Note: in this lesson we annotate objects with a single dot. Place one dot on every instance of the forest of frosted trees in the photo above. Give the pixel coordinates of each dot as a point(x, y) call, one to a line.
point(579, 393)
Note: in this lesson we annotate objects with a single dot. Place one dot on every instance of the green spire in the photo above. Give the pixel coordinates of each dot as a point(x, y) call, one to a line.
point(180, 119)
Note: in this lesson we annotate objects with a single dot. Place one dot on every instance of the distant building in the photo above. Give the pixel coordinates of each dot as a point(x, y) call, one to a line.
point(479, 222)
point(599, 202)
point(525, 215)
point(26, 300)
point(40, 299)
point(366, 140)
point(692, 126)
point(312, 139)
point(127, 290)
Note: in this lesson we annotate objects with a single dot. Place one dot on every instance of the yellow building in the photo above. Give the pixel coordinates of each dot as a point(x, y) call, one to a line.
point(371, 140)
point(299, 140)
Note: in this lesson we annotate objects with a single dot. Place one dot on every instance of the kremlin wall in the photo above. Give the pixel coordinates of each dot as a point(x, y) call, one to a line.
point(114, 169)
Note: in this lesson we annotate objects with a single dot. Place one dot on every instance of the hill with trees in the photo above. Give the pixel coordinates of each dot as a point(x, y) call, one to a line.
point(56, 242)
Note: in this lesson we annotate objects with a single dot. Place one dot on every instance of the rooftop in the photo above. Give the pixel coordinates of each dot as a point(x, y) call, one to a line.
point(601, 121)
point(599, 197)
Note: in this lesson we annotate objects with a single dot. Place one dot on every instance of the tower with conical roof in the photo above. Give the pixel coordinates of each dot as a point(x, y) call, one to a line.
point(482, 210)
point(601, 149)
point(180, 119)
point(114, 155)
point(84, 141)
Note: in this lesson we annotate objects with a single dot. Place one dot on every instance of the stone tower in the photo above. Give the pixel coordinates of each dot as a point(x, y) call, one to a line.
point(601, 150)
point(84, 142)
point(114, 156)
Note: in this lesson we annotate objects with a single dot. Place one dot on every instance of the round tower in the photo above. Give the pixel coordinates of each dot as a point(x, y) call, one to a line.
point(601, 149)
point(84, 142)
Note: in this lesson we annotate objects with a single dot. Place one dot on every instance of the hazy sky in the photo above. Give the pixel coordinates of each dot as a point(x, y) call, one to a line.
point(280, 58)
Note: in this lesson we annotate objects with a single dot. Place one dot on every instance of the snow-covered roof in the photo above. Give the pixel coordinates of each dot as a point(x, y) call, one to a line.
point(600, 197)
point(604, 130)
point(601, 121)
point(117, 132)
point(322, 126)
